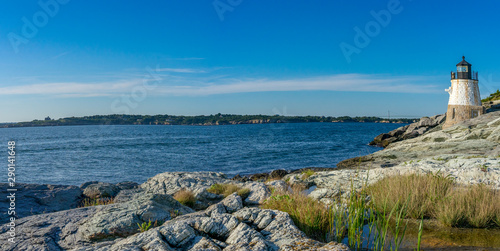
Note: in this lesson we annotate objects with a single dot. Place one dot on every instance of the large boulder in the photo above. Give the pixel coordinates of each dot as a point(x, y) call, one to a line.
point(100, 190)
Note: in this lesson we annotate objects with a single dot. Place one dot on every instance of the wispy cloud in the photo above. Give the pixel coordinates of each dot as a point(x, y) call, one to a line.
point(201, 87)
point(60, 55)
point(72, 88)
point(181, 70)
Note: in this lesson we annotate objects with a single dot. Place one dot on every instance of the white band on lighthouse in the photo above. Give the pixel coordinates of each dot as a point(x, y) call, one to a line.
point(464, 92)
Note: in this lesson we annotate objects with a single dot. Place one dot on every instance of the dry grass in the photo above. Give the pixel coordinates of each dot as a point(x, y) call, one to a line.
point(243, 193)
point(228, 189)
point(476, 206)
point(437, 196)
point(185, 197)
point(310, 216)
point(89, 202)
point(420, 192)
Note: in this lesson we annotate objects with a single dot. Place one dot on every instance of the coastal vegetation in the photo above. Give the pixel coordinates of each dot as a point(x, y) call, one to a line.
point(346, 221)
point(185, 197)
point(380, 222)
point(228, 189)
point(217, 119)
point(436, 196)
point(494, 96)
point(145, 226)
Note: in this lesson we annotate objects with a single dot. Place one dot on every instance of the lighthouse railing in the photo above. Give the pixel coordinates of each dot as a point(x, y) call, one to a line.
point(473, 75)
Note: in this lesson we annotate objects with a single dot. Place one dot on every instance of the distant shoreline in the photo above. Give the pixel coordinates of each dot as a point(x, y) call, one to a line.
point(202, 120)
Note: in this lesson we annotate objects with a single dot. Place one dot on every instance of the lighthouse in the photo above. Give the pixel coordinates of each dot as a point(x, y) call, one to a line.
point(465, 101)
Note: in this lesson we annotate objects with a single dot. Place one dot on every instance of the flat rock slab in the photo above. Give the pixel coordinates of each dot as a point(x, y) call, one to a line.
point(32, 199)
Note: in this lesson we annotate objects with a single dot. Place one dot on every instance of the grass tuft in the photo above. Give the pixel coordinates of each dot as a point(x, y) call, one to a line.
point(228, 189)
point(243, 193)
point(422, 192)
point(476, 206)
point(438, 196)
point(309, 215)
point(185, 197)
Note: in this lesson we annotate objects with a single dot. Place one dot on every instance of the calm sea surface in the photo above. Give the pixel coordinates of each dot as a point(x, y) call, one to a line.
point(76, 154)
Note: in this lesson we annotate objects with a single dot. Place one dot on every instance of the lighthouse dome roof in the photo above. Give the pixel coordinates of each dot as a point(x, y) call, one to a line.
point(463, 62)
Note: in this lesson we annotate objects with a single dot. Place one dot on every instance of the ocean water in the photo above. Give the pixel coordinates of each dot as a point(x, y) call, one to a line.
point(76, 154)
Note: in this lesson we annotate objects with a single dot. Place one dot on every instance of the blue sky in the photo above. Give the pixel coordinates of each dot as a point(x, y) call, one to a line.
point(63, 58)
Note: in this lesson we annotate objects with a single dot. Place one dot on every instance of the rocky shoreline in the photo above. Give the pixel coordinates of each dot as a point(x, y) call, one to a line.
point(49, 217)
point(231, 223)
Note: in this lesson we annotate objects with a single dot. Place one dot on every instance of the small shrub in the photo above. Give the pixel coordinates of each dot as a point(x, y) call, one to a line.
point(174, 213)
point(185, 197)
point(89, 202)
point(145, 226)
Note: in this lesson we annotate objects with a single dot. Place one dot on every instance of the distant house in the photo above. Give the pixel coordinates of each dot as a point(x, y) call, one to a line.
point(48, 118)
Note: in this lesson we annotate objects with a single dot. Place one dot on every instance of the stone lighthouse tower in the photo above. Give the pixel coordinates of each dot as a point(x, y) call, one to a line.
point(465, 101)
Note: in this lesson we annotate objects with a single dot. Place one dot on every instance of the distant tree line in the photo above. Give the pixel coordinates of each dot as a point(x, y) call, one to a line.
point(217, 119)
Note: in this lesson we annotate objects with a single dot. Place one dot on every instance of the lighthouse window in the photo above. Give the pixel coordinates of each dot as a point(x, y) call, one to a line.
point(453, 114)
point(474, 114)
